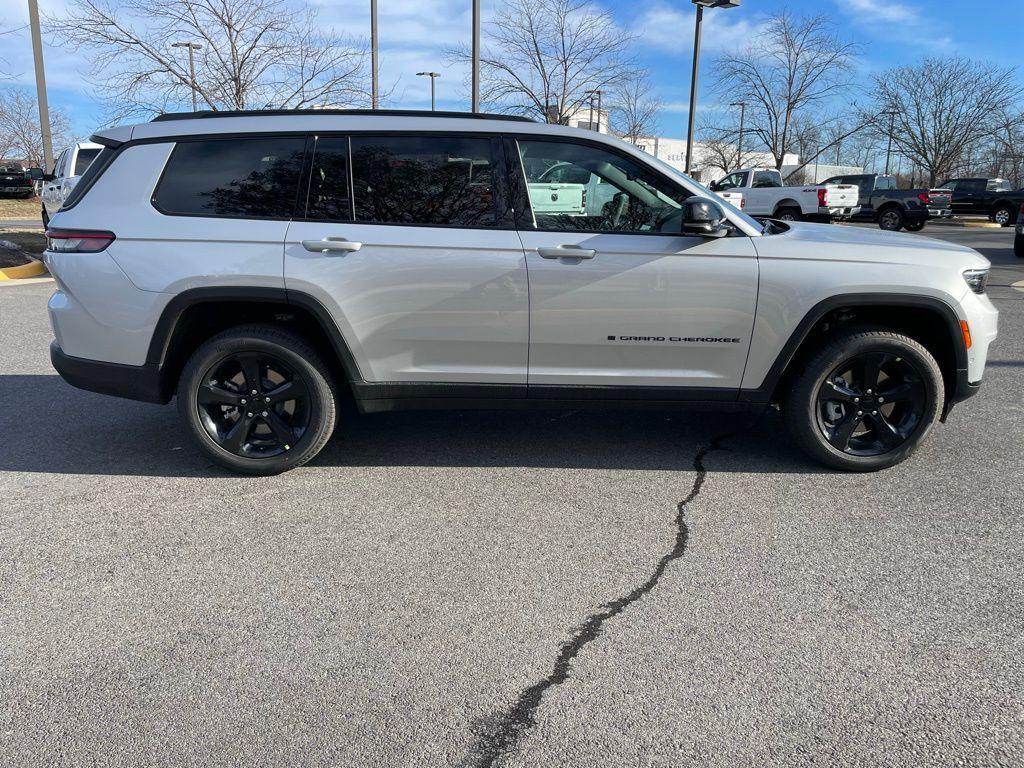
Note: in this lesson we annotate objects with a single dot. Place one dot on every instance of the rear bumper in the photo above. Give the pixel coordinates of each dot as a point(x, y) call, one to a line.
point(838, 214)
point(135, 382)
point(940, 213)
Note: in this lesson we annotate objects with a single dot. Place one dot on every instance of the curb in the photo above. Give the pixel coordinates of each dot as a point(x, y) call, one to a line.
point(34, 268)
point(966, 224)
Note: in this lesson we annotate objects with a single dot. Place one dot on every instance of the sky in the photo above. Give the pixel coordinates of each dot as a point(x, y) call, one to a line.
point(415, 33)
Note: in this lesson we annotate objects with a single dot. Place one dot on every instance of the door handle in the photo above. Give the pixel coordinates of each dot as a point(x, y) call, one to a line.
point(331, 245)
point(567, 252)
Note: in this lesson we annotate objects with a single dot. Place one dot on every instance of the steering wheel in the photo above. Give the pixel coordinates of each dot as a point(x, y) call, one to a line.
point(619, 203)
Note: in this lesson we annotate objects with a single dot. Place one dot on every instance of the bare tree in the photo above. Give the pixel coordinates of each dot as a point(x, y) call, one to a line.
point(19, 127)
point(944, 109)
point(792, 68)
point(544, 57)
point(255, 54)
point(634, 109)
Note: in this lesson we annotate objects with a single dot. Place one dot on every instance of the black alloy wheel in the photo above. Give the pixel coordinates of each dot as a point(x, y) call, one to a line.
point(914, 226)
point(258, 399)
point(865, 400)
point(253, 405)
point(871, 404)
point(891, 220)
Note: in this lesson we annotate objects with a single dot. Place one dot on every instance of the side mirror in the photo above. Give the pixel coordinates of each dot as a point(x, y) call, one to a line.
point(35, 173)
point(48, 177)
point(703, 217)
point(713, 186)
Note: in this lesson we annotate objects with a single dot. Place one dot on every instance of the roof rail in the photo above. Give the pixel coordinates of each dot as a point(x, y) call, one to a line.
point(205, 113)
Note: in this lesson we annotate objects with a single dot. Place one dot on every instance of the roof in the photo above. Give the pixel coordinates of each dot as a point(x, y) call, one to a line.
point(376, 112)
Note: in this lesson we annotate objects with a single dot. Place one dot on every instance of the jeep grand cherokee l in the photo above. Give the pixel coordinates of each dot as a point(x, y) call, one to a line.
point(260, 266)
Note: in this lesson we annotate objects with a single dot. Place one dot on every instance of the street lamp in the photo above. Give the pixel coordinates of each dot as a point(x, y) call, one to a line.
point(433, 76)
point(44, 110)
point(592, 94)
point(701, 5)
point(739, 142)
point(888, 152)
point(191, 66)
point(475, 97)
point(374, 93)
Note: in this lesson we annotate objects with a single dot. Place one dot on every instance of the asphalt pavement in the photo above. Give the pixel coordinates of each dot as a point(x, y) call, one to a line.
point(475, 589)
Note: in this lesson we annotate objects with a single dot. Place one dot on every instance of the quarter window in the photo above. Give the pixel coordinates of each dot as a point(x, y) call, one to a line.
point(620, 195)
point(441, 181)
point(85, 157)
point(240, 178)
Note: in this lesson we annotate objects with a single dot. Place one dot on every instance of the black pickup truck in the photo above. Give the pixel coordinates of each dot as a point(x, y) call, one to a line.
point(16, 181)
point(894, 209)
point(994, 198)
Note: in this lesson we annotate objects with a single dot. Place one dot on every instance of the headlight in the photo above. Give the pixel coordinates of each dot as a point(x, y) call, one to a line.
point(976, 279)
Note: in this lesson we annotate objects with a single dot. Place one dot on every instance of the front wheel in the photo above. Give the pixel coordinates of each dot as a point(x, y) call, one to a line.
point(46, 219)
point(866, 401)
point(258, 400)
point(891, 220)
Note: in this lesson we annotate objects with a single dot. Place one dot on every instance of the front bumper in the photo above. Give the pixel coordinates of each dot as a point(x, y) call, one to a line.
point(135, 382)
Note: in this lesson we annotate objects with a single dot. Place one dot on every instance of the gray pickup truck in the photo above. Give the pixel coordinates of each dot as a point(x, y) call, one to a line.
point(895, 209)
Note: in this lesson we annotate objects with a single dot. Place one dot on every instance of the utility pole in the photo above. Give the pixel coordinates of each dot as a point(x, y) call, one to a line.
point(433, 76)
point(191, 66)
point(44, 109)
point(888, 151)
point(374, 93)
point(739, 142)
point(598, 92)
point(476, 56)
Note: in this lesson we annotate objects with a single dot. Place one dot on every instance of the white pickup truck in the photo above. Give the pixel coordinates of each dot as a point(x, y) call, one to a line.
point(765, 195)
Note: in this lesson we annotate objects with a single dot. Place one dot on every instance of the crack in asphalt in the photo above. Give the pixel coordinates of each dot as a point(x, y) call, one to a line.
point(497, 735)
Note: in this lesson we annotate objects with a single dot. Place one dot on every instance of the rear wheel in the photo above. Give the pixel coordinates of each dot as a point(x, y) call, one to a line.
point(258, 400)
point(914, 226)
point(1004, 216)
point(1018, 246)
point(891, 219)
point(866, 401)
point(789, 214)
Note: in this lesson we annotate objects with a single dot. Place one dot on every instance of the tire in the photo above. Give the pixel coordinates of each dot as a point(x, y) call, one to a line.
point(818, 411)
point(214, 403)
point(914, 226)
point(789, 214)
point(1018, 246)
point(891, 219)
point(1004, 216)
point(46, 219)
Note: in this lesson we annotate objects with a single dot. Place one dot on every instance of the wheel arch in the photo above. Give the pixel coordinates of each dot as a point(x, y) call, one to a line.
point(194, 316)
point(930, 320)
point(787, 203)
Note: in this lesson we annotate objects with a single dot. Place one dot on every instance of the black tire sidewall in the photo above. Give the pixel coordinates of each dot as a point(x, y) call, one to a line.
point(292, 351)
point(899, 215)
point(913, 226)
point(800, 408)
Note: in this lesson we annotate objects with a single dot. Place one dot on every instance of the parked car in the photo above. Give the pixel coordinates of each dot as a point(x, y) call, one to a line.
point(188, 264)
point(16, 181)
point(994, 198)
point(894, 209)
point(765, 195)
point(1018, 240)
point(67, 170)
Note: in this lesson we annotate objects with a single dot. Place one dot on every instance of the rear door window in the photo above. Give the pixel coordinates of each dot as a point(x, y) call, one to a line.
point(85, 157)
point(329, 198)
point(445, 181)
point(240, 178)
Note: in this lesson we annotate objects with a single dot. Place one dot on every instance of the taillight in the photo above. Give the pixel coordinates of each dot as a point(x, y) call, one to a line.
point(822, 193)
point(78, 240)
point(925, 198)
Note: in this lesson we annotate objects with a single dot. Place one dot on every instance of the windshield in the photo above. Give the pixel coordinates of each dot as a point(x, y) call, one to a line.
point(703, 191)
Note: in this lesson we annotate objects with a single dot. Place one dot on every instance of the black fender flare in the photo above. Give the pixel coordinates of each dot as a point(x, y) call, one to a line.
point(763, 393)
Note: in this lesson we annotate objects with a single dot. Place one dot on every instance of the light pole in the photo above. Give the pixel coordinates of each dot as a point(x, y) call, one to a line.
point(476, 56)
point(592, 94)
point(433, 76)
point(888, 152)
point(374, 95)
point(44, 109)
point(739, 142)
point(191, 66)
point(701, 5)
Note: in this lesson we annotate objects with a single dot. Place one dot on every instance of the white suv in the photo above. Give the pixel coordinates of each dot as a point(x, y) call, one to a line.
point(262, 265)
